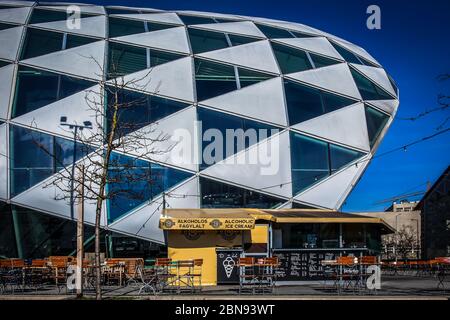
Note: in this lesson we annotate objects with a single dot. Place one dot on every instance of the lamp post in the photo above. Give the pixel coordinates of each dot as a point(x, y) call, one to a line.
point(80, 221)
point(75, 127)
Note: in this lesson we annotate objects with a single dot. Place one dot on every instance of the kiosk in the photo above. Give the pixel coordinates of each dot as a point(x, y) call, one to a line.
point(300, 238)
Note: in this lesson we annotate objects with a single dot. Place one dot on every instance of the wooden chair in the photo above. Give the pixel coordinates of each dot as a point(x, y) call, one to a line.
point(247, 275)
point(197, 272)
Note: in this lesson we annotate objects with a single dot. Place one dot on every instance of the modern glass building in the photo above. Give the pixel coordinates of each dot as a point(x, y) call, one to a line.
point(327, 102)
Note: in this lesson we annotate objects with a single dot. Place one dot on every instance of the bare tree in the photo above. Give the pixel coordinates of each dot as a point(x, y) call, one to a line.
point(116, 128)
point(403, 243)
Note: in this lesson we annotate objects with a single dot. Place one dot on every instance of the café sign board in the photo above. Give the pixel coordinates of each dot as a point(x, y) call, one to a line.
point(212, 223)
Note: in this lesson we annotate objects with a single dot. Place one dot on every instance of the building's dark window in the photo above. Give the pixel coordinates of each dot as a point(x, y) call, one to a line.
point(221, 121)
point(76, 41)
point(3, 63)
point(367, 62)
point(238, 40)
point(321, 61)
point(4, 26)
point(133, 181)
point(340, 157)
point(36, 88)
point(213, 79)
point(121, 11)
point(376, 121)
point(220, 195)
point(346, 54)
point(249, 77)
point(332, 102)
point(394, 85)
point(138, 110)
point(291, 60)
point(308, 235)
point(309, 161)
point(158, 57)
point(124, 59)
point(8, 248)
point(313, 159)
point(42, 15)
point(368, 89)
point(40, 42)
point(272, 32)
point(303, 102)
point(36, 156)
point(202, 41)
point(124, 27)
point(298, 34)
point(188, 20)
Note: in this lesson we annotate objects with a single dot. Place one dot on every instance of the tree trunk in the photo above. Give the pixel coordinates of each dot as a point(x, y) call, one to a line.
point(98, 274)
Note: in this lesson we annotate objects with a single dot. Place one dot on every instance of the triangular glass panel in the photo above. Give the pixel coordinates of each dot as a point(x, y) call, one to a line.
point(321, 61)
point(126, 59)
point(41, 16)
point(213, 79)
point(214, 150)
point(301, 34)
point(313, 160)
point(40, 42)
point(4, 26)
point(121, 10)
point(367, 62)
point(376, 121)
point(3, 63)
point(37, 88)
point(368, 89)
point(249, 77)
point(394, 85)
point(119, 27)
point(346, 54)
point(272, 32)
point(36, 156)
point(237, 40)
point(216, 194)
point(133, 181)
point(340, 157)
point(290, 59)
point(305, 103)
point(203, 41)
point(189, 20)
point(309, 161)
point(138, 110)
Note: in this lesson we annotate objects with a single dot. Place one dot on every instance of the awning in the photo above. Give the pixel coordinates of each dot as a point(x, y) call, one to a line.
point(245, 219)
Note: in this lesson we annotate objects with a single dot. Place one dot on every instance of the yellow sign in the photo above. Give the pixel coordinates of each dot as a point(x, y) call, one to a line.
point(207, 223)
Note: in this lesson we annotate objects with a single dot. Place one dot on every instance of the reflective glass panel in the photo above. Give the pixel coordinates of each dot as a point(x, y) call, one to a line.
point(249, 77)
point(138, 110)
point(76, 41)
point(303, 102)
point(238, 40)
point(272, 32)
point(341, 156)
point(309, 160)
point(36, 88)
point(376, 121)
point(220, 195)
point(321, 61)
point(3, 63)
point(4, 26)
point(125, 59)
point(133, 182)
point(123, 27)
point(213, 79)
point(42, 15)
point(202, 41)
point(40, 42)
point(251, 132)
point(291, 60)
point(159, 57)
point(368, 89)
point(187, 19)
point(334, 102)
point(346, 54)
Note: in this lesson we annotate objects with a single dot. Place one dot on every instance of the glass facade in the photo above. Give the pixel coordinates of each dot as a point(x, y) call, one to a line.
point(119, 27)
point(215, 194)
point(37, 88)
point(36, 156)
point(273, 33)
point(313, 160)
point(125, 59)
point(213, 79)
point(188, 20)
point(368, 89)
point(133, 182)
point(137, 110)
point(42, 16)
point(305, 103)
point(291, 60)
point(40, 42)
point(376, 121)
point(202, 41)
point(213, 120)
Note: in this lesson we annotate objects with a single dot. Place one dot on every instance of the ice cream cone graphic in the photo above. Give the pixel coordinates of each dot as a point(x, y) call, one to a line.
point(228, 265)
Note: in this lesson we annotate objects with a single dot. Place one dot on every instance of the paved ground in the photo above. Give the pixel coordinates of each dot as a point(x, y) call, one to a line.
point(404, 287)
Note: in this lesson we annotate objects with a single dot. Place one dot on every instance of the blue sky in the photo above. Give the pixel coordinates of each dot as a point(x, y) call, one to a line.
point(413, 47)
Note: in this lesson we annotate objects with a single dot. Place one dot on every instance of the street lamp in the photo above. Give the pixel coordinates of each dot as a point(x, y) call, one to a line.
point(75, 127)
